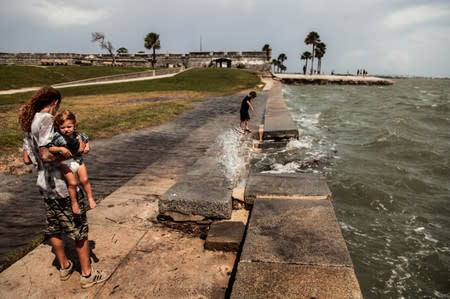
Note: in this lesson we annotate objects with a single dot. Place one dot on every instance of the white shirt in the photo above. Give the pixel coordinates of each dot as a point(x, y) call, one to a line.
point(50, 180)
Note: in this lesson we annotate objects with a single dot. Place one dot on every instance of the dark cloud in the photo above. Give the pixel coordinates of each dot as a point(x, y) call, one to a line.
point(384, 36)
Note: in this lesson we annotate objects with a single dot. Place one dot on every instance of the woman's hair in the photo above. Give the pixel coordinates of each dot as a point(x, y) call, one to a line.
point(252, 94)
point(39, 100)
point(62, 116)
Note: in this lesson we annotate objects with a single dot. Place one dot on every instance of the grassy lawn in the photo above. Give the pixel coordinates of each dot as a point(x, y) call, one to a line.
point(17, 76)
point(130, 106)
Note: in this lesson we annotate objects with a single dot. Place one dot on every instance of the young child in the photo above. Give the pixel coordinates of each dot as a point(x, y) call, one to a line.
point(66, 141)
point(245, 106)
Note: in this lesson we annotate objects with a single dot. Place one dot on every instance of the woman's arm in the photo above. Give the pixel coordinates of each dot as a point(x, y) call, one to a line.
point(60, 150)
point(26, 158)
point(46, 156)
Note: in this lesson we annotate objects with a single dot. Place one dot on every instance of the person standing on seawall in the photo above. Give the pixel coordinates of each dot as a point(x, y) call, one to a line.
point(244, 112)
point(36, 120)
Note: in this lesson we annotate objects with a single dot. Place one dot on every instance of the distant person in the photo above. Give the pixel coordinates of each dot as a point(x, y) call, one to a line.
point(357, 73)
point(36, 120)
point(244, 112)
point(304, 70)
point(66, 141)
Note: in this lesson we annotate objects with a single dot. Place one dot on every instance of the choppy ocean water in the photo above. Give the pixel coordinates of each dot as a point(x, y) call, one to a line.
point(385, 152)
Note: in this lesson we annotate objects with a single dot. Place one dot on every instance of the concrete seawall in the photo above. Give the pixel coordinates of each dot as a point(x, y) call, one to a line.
point(293, 246)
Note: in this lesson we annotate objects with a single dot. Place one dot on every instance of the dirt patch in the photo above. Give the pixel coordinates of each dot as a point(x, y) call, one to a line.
point(13, 164)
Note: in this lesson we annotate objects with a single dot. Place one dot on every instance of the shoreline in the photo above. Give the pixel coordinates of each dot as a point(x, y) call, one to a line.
point(331, 79)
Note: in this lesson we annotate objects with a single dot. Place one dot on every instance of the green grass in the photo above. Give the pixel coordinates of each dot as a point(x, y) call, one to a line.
point(203, 80)
point(129, 116)
point(115, 120)
point(17, 76)
point(223, 81)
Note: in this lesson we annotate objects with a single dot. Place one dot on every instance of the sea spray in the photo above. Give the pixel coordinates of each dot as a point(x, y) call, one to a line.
point(232, 154)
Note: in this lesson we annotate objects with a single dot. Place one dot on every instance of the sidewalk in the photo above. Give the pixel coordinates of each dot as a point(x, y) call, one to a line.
point(105, 80)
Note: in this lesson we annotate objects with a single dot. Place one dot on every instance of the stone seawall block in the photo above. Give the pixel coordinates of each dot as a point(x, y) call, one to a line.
point(294, 249)
point(286, 186)
point(197, 195)
point(278, 123)
point(225, 236)
point(295, 232)
point(284, 281)
point(203, 192)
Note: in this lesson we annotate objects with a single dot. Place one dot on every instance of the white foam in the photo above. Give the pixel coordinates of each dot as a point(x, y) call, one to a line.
point(230, 154)
point(291, 167)
point(303, 142)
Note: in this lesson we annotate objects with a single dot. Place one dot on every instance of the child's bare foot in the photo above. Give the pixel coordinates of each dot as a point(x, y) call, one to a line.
point(92, 203)
point(76, 209)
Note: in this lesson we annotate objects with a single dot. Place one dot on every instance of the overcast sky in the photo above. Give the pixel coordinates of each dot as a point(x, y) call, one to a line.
point(394, 37)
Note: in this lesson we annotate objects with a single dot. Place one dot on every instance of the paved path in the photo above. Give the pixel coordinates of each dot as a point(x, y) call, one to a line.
point(105, 80)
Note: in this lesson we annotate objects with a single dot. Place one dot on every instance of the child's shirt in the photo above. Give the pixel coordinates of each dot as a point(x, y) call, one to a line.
point(244, 105)
point(71, 143)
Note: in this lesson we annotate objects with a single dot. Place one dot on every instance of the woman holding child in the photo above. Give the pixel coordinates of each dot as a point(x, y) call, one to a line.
point(36, 118)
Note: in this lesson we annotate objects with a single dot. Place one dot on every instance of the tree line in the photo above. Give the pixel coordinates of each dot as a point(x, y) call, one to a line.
point(319, 49)
point(151, 42)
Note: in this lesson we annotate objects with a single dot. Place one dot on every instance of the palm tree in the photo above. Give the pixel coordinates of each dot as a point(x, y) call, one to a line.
point(281, 58)
point(312, 39)
point(151, 41)
point(268, 49)
point(305, 56)
point(275, 63)
point(321, 48)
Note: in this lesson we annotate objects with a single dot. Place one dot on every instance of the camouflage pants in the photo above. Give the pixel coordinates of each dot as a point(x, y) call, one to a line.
point(61, 220)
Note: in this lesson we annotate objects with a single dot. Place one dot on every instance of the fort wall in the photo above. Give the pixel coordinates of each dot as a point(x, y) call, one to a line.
point(254, 60)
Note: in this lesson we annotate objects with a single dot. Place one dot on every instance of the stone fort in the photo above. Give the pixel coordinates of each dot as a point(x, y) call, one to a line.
point(252, 60)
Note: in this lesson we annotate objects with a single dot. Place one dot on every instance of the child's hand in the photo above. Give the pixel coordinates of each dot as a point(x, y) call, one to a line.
point(87, 148)
point(66, 153)
point(83, 145)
